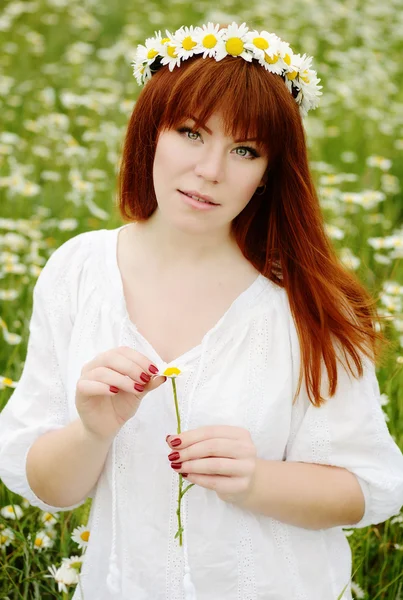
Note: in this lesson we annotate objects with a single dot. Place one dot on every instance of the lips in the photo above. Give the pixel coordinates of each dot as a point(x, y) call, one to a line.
point(191, 193)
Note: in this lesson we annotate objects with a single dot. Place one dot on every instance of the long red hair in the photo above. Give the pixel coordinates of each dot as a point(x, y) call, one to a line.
point(280, 232)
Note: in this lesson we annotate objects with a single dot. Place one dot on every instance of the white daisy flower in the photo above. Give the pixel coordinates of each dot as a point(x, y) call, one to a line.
point(169, 53)
point(41, 541)
point(81, 535)
point(209, 38)
point(48, 519)
point(6, 537)
point(12, 511)
point(64, 576)
point(234, 42)
point(185, 37)
point(286, 54)
point(262, 43)
point(73, 562)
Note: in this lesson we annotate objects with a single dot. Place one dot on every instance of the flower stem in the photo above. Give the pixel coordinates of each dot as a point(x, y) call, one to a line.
point(178, 417)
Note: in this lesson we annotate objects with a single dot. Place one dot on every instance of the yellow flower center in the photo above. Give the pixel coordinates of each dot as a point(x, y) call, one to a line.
point(85, 536)
point(76, 565)
point(47, 517)
point(287, 59)
point(7, 381)
point(304, 76)
point(269, 59)
point(165, 40)
point(260, 43)
point(152, 53)
point(209, 41)
point(3, 539)
point(234, 46)
point(188, 43)
point(292, 75)
point(172, 52)
point(38, 542)
point(171, 371)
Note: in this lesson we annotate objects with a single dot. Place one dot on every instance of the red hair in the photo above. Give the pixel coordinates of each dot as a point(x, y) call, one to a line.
point(281, 232)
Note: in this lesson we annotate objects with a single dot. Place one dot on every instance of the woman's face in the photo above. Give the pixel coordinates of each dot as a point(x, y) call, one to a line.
point(208, 163)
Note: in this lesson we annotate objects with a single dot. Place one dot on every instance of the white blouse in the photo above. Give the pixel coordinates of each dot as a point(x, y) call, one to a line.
point(243, 373)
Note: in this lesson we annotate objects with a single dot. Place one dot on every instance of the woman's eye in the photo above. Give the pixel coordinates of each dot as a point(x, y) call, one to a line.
point(190, 131)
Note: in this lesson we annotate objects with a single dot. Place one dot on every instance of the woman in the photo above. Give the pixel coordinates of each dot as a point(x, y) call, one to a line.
point(224, 271)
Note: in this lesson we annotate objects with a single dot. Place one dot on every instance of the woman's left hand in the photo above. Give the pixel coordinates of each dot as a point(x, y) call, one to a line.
point(218, 457)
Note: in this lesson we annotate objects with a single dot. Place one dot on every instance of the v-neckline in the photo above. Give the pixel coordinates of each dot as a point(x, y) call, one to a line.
point(116, 275)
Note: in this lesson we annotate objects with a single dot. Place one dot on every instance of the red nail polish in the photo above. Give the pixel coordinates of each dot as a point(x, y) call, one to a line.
point(184, 474)
point(175, 465)
point(174, 456)
point(176, 442)
point(138, 387)
point(153, 369)
point(113, 389)
point(145, 377)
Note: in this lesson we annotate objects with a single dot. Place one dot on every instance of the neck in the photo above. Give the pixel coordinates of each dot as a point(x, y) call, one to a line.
point(169, 246)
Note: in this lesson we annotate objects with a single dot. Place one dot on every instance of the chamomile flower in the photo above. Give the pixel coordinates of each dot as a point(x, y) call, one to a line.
point(262, 43)
point(168, 51)
point(41, 541)
point(12, 511)
point(145, 56)
point(81, 535)
point(234, 42)
point(209, 38)
point(73, 562)
point(64, 576)
point(6, 537)
point(172, 372)
point(186, 41)
point(48, 519)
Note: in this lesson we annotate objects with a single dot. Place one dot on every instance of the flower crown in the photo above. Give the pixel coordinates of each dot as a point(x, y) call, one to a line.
point(268, 49)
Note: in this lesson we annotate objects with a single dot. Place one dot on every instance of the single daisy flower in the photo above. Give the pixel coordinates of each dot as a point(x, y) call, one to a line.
point(81, 536)
point(168, 52)
point(6, 537)
point(186, 41)
point(234, 42)
point(48, 519)
point(12, 511)
point(209, 38)
point(73, 562)
point(262, 43)
point(64, 576)
point(41, 541)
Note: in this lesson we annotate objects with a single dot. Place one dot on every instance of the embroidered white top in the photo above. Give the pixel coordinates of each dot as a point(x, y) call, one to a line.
point(243, 373)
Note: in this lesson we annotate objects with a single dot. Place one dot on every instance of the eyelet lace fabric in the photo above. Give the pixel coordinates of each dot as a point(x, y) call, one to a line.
point(243, 374)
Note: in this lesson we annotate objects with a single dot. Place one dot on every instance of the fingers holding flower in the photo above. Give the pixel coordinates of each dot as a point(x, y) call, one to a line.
point(220, 458)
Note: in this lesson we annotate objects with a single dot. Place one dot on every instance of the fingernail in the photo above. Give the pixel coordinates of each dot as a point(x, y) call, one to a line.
point(145, 377)
point(113, 389)
point(184, 474)
point(176, 442)
point(176, 465)
point(174, 456)
point(153, 369)
point(138, 387)
point(167, 438)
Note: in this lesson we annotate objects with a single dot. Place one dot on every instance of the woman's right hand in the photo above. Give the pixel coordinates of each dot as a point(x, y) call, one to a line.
point(102, 411)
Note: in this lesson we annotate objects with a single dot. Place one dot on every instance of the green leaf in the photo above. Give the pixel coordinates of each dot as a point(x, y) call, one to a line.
point(186, 489)
point(180, 530)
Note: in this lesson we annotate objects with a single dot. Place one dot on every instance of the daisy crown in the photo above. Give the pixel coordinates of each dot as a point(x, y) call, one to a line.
point(272, 53)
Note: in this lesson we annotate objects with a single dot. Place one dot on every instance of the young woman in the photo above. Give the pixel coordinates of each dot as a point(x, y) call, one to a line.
point(223, 270)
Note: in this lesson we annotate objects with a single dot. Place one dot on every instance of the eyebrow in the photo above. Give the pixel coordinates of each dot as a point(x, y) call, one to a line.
point(210, 132)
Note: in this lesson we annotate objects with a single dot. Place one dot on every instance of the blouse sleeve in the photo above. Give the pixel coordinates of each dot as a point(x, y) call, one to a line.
point(350, 431)
point(38, 403)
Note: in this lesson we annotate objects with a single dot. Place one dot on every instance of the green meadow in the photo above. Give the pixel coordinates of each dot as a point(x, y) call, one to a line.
point(66, 93)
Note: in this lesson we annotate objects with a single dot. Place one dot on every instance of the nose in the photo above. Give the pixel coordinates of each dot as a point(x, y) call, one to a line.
point(210, 164)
